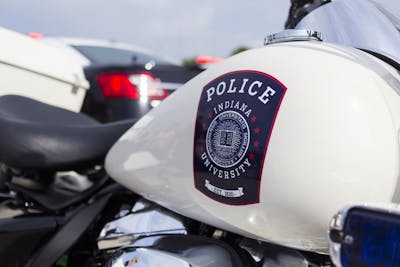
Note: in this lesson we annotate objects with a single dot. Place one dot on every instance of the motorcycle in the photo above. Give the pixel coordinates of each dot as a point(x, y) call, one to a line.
point(264, 148)
point(52, 182)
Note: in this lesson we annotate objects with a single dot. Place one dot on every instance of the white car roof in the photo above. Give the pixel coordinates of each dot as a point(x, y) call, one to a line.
point(68, 42)
point(67, 49)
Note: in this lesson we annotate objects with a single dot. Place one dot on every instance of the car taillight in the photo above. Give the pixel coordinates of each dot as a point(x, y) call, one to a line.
point(117, 84)
point(141, 86)
point(148, 86)
point(35, 35)
point(208, 60)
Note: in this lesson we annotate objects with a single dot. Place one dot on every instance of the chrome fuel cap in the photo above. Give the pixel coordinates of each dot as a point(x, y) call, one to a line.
point(293, 35)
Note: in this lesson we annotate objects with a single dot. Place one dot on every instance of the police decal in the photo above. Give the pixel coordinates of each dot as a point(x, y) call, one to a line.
point(235, 118)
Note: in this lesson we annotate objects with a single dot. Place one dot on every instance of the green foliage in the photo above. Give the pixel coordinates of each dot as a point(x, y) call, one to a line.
point(62, 262)
point(239, 49)
point(190, 63)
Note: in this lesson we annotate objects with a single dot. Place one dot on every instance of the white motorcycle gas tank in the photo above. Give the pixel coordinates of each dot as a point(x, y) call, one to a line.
point(270, 143)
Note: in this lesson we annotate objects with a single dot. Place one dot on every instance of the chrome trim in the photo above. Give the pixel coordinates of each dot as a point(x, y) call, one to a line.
point(72, 181)
point(141, 205)
point(270, 255)
point(147, 257)
point(336, 224)
point(293, 35)
point(355, 23)
point(145, 219)
point(182, 251)
point(149, 241)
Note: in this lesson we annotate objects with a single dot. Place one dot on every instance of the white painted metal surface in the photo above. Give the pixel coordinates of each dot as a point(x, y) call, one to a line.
point(33, 69)
point(335, 141)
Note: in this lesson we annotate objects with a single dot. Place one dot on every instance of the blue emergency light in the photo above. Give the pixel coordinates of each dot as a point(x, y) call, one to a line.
point(369, 238)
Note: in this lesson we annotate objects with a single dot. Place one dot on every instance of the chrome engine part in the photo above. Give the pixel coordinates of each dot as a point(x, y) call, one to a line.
point(176, 251)
point(145, 219)
point(148, 235)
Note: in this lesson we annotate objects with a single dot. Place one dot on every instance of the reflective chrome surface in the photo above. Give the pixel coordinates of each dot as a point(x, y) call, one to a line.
point(145, 219)
point(269, 255)
point(73, 181)
point(145, 257)
point(174, 251)
point(293, 35)
point(285, 257)
point(336, 225)
point(356, 23)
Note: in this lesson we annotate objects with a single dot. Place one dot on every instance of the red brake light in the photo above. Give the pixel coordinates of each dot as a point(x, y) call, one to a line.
point(208, 60)
point(135, 85)
point(117, 84)
point(35, 35)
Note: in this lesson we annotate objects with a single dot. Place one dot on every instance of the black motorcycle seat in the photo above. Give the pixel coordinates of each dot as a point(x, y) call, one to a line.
point(42, 137)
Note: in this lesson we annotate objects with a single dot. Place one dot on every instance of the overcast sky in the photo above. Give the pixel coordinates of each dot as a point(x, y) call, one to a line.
point(178, 28)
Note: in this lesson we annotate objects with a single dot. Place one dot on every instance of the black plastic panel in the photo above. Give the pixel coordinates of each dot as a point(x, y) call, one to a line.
point(20, 237)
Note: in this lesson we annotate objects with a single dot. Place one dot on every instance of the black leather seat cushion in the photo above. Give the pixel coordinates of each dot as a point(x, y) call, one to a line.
point(34, 135)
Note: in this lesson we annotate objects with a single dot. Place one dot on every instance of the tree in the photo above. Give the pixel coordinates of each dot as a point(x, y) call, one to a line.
point(239, 49)
point(190, 63)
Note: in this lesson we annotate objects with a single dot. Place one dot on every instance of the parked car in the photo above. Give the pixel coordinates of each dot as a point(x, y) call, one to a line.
point(125, 81)
point(38, 71)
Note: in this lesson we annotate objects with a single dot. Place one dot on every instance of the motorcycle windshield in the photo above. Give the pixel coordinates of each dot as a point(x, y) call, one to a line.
point(357, 23)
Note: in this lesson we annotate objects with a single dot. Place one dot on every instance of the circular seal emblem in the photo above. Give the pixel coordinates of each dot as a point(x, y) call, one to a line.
point(227, 139)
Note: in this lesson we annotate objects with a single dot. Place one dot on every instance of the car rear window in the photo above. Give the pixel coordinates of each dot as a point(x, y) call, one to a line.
point(108, 55)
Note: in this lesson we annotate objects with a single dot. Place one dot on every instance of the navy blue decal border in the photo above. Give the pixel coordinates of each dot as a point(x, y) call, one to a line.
point(235, 190)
